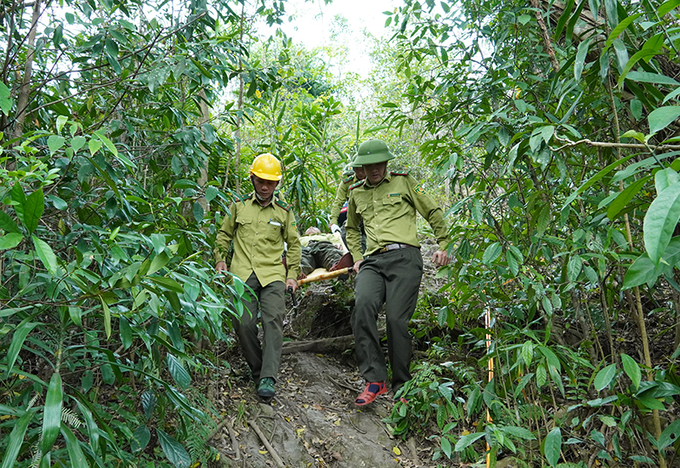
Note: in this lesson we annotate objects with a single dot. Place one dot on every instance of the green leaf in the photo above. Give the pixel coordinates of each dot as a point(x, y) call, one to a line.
point(52, 414)
point(168, 283)
point(616, 32)
point(665, 178)
point(492, 253)
point(6, 102)
point(177, 455)
point(593, 180)
point(178, 372)
point(574, 268)
point(77, 143)
point(626, 195)
point(108, 143)
point(655, 78)
point(20, 334)
point(75, 453)
point(446, 446)
point(94, 146)
point(553, 446)
point(605, 377)
point(660, 220)
point(465, 441)
point(527, 352)
point(198, 212)
point(669, 435)
point(642, 271)
point(158, 262)
point(8, 224)
point(140, 439)
point(45, 254)
point(662, 117)
point(33, 210)
point(632, 370)
point(55, 142)
point(107, 317)
point(579, 63)
point(667, 7)
point(16, 439)
point(11, 240)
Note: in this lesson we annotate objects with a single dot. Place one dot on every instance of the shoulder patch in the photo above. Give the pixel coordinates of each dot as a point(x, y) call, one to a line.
point(283, 204)
point(358, 184)
point(243, 198)
point(403, 173)
point(348, 179)
point(419, 189)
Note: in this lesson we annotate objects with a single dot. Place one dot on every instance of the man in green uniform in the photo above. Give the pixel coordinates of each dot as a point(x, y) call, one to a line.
point(258, 225)
point(318, 251)
point(390, 270)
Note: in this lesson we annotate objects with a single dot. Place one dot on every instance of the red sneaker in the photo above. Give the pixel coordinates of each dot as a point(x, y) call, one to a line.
point(372, 390)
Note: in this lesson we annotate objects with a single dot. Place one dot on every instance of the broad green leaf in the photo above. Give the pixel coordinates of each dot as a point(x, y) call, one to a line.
point(544, 218)
point(660, 220)
point(655, 78)
point(55, 142)
point(7, 224)
point(527, 352)
point(605, 377)
point(16, 440)
point(57, 202)
point(553, 446)
point(33, 210)
point(158, 262)
point(168, 283)
point(626, 195)
point(52, 414)
point(446, 446)
point(574, 268)
point(642, 54)
point(667, 7)
point(6, 102)
point(669, 435)
point(632, 370)
point(465, 441)
point(492, 253)
point(512, 262)
point(519, 432)
point(140, 439)
point(45, 254)
point(77, 143)
point(61, 121)
point(19, 199)
point(198, 212)
point(108, 143)
point(178, 372)
point(642, 271)
point(664, 178)
point(579, 63)
point(11, 240)
point(562, 22)
point(75, 453)
point(662, 117)
point(94, 146)
point(177, 455)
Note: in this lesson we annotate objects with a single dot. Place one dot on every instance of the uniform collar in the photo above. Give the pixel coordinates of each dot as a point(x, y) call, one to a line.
point(256, 202)
point(386, 179)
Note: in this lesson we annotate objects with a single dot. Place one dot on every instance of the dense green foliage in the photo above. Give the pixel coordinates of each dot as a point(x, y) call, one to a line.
point(553, 125)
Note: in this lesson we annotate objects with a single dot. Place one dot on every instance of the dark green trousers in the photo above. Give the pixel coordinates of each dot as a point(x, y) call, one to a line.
point(319, 254)
point(393, 279)
point(264, 360)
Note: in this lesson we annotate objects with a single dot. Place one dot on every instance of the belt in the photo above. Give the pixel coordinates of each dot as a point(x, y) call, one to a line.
point(389, 247)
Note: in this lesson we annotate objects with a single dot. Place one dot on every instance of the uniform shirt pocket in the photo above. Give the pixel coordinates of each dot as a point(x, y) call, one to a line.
point(245, 225)
point(274, 230)
point(392, 199)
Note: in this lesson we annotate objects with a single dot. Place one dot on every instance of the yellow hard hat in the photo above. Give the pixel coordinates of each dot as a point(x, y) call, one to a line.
point(267, 167)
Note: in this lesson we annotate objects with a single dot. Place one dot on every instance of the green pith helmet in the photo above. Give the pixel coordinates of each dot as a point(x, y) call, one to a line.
point(372, 152)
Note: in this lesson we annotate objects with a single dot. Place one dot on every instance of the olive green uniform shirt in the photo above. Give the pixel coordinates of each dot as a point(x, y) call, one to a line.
point(388, 211)
point(341, 195)
point(258, 234)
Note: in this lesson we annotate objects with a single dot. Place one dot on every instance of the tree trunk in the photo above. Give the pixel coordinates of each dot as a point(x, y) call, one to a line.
point(25, 87)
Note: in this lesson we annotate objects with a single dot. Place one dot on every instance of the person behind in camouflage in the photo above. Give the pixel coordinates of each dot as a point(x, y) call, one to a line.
point(318, 251)
point(341, 197)
point(258, 225)
point(390, 270)
point(350, 176)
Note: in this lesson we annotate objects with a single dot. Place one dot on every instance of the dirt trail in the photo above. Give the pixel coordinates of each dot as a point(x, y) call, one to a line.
point(313, 422)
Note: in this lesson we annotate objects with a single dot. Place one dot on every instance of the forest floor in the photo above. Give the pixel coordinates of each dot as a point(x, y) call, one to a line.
point(312, 421)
